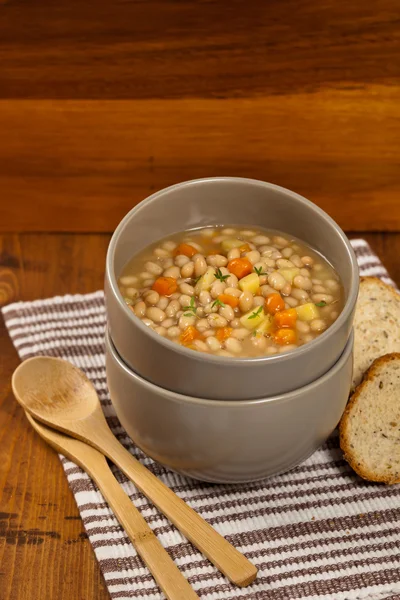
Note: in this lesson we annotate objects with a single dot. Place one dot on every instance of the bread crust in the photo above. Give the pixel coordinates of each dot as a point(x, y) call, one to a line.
point(344, 422)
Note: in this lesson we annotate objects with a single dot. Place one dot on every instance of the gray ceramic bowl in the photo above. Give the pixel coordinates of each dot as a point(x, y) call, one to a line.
point(228, 442)
point(222, 201)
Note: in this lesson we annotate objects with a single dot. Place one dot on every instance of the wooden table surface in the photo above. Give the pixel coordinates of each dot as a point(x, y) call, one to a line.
point(103, 103)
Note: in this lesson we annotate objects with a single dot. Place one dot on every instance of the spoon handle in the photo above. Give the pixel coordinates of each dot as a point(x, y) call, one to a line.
point(160, 564)
point(216, 548)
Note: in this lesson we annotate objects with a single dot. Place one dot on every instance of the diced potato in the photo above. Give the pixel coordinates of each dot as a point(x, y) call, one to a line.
point(265, 326)
point(307, 312)
point(250, 283)
point(229, 244)
point(206, 280)
point(289, 274)
point(253, 318)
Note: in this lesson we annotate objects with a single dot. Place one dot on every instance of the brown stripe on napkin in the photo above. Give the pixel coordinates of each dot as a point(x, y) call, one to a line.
point(316, 532)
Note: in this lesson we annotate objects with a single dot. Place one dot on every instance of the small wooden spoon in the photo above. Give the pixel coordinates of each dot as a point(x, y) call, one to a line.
point(58, 394)
point(159, 562)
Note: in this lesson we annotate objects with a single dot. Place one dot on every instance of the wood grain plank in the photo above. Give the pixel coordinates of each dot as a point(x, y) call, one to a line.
point(198, 49)
point(81, 165)
point(44, 551)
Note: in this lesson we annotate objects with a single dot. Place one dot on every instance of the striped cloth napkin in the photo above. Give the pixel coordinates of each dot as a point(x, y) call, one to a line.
point(316, 532)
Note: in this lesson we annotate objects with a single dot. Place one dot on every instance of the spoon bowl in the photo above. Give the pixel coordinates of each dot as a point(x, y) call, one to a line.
point(58, 394)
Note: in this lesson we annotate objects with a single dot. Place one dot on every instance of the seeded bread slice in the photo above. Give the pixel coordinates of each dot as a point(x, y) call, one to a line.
point(370, 426)
point(376, 324)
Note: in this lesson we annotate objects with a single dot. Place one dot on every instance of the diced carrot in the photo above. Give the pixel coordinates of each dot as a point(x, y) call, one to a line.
point(186, 250)
point(274, 303)
point(244, 248)
point(223, 333)
point(240, 267)
point(228, 299)
point(189, 334)
point(285, 336)
point(165, 286)
point(285, 318)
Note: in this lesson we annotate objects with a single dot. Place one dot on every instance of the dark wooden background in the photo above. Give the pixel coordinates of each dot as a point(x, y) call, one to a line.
point(102, 104)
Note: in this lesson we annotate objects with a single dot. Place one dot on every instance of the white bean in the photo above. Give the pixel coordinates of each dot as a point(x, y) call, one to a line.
point(211, 307)
point(151, 297)
point(145, 275)
point(200, 265)
point(276, 280)
point(148, 322)
point(308, 338)
point(307, 260)
point(334, 315)
point(169, 245)
point(147, 283)
point(132, 293)
point(302, 326)
point(217, 260)
point(284, 263)
point(259, 240)
point(213, 343)
point(202, 324)
point(208, 333)
point(258, 301)
point(332, 285)
point(217, 288)
point(299, 294)
point(291, 302)
point(161, 253)
point(247, 233)
point(204, 297)
point(305, 273)
point(316, 281)
point(322, 298)
point(186, 289)
point(259, 342)
point(200, 312)
point(172, 308)
point(174, 272)
point(253, 256)
point(296, 260)
point(280, 241)
point(153, 268)
point(266, 290)
point(161, 331)
point(163, 303)
point(287, 252)
point(236, 323)
point(232, 292)
point(155, 314)
point(267, 250)
point(208, 232)
point(188, 269)
point(168, 323)
point(184, 300)
point(245, 301)
point(227, 312)
point(140, 309)
point(276, 255)
point(271, 350)
point(200, 346)
point(232, 281)
point(287, 348)
point(173, 332)
point(224, 353)
point(234, 253)
point(128, 280)
point(286, 290)
point(186, 321)
point(319, 289)
point(233, 345)
point(215, 320)
point(240, 333)
point(181, 260)
point(317, 325)
point(318, 267)
point(228, 231)
point(303, 283)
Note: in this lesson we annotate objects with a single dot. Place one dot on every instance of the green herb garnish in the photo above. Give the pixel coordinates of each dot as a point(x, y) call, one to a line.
point(256, 313)
point(191, 309)
point(219, 275)
point(259, 271)
point(217, 302)
point(321, 304)
point(196, 279)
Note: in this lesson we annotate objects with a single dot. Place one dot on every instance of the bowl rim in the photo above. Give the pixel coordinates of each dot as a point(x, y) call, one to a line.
point(237, 404)
point(225, 360)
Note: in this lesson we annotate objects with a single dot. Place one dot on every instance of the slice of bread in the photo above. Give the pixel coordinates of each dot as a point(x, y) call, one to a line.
point(370, 426)
point(376, 324)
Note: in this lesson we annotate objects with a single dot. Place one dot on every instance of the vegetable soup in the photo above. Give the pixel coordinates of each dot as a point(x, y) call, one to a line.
point(233, 291)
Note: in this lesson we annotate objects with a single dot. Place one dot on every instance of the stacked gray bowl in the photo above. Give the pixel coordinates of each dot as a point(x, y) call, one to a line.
point(217, 418)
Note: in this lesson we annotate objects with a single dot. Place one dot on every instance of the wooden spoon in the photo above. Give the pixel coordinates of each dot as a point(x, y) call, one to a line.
point(159, 562)
point(60, 395)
